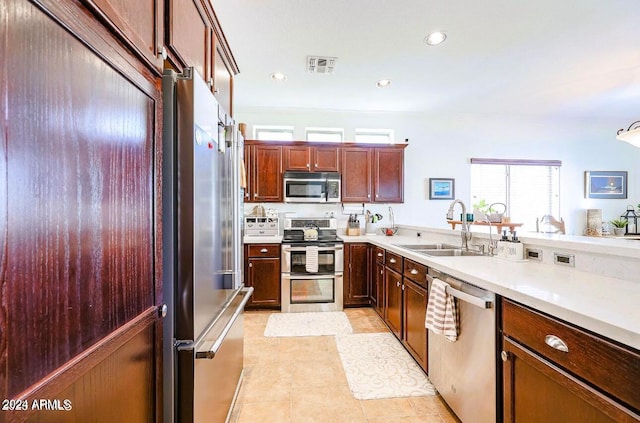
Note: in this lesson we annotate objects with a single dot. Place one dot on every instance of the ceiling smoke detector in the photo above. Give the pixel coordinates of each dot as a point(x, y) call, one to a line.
point(320, 64)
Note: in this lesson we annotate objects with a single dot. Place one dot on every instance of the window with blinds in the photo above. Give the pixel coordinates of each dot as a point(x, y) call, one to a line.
point(529, 188)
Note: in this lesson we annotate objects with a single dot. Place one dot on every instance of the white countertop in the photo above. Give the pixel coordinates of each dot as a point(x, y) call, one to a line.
point(262, 239)
point(601, 304)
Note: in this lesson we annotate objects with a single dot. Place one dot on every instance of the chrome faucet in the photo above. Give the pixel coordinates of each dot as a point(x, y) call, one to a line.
point(493, 245)
point(465, 234)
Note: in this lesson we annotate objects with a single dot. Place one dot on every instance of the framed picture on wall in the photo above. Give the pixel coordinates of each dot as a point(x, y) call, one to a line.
point(441, 188)
point(605, 184)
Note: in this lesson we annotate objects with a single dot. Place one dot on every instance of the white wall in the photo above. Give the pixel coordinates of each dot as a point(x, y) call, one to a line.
point(441, 146)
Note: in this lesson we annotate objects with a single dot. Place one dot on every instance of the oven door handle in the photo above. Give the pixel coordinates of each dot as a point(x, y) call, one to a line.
point(314, 277)
point(305, 249)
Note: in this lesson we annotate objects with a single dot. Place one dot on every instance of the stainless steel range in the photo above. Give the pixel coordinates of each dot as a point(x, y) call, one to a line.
point(312, 265)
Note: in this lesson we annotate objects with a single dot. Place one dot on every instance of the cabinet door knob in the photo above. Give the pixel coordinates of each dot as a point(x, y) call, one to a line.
point(392, 260)
point(504, 356)
point(556, 343)
point(380, 254)
point(398, 284)
point(255, 194)
point(250, 264)
point(414, 272)
point(264, 250)
point(162, 311)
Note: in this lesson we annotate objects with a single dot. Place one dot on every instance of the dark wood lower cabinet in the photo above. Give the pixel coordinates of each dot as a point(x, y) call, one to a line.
point(414, 333)
point(356, 274)
point(553, 371)
point(377, 280)
point(393, 301)
point(262, 272)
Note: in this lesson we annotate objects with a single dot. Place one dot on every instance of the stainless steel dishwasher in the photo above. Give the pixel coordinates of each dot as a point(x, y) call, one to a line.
point(464, 371)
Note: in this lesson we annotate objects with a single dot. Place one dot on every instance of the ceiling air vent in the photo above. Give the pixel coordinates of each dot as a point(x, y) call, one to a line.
point(318, 64)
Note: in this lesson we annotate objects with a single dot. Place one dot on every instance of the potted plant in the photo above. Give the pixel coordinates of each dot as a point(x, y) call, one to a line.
point(481, 210)
point(619, 226)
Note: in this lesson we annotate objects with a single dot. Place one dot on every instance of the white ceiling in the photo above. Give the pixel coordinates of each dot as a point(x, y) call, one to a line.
point(557, 58)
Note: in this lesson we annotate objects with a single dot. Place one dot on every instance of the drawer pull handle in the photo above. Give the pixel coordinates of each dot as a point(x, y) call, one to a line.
point(264, 250)
point(392, 260)
point(414, 272)
point(555, 342)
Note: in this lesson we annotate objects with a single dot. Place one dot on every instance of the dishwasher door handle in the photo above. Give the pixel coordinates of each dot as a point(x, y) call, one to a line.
point(471, 299)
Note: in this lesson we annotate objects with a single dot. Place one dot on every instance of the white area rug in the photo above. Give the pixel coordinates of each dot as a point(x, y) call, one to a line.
point(378, 366)
point(308, 324)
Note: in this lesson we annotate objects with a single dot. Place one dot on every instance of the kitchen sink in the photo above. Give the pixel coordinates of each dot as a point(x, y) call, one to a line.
point(421, 247)
point(439, 250)
point(449, 253)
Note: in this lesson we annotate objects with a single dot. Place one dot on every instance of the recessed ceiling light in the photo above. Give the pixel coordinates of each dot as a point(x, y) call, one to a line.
point(383, 83)
point(435, 38)
point(278, 76)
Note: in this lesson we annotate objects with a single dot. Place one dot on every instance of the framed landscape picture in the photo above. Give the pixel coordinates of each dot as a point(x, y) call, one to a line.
point(605, 184)
point(441, 188)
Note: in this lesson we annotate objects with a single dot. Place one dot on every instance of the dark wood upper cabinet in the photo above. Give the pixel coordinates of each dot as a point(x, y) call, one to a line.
point(139, 23)
point(356, 174)
point(311, 159)
point(222, 79)
point(265, 173)
point(189, 35)
point(373, 175)
point(388, 175)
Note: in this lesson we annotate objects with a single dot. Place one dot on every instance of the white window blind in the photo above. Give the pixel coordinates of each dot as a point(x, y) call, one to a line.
point(529, 188)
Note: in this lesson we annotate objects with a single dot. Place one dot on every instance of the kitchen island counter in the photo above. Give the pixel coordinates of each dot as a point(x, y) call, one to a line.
point(602, 304)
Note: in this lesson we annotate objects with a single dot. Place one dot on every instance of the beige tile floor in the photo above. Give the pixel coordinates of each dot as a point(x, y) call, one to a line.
point(300, 379)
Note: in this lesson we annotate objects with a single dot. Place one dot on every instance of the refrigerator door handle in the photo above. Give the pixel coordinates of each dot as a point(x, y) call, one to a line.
point(211, 352)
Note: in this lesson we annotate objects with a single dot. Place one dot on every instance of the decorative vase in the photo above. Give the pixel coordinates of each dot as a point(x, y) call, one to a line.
point(618, 231)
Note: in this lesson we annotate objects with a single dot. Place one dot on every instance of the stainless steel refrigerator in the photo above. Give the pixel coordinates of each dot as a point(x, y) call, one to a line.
point(202, 247)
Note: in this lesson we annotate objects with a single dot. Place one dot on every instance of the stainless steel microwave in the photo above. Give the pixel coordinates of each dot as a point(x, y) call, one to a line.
point(321, 187)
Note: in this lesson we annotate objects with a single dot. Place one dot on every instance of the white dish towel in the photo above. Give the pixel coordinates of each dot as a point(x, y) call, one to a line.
point(442, 316)
point(311, 254)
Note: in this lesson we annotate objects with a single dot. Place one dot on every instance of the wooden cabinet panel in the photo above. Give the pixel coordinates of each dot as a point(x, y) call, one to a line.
point(377, 279)
point(588, 356)
point(263, 250)
point(297, 158)
point(140, 22)
point(414, 333)
point(315, 159)
point(393, 261)
point(356, 287)
point(266, 173)
point(388, 174)
point(594, 380)
point(262, 272)
point(416, 272)
point(325, 159)
point(222, 80)
point(356, 174)
point(535, 390)
point(393, 301)
point(189, 35)
point(81, 250)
